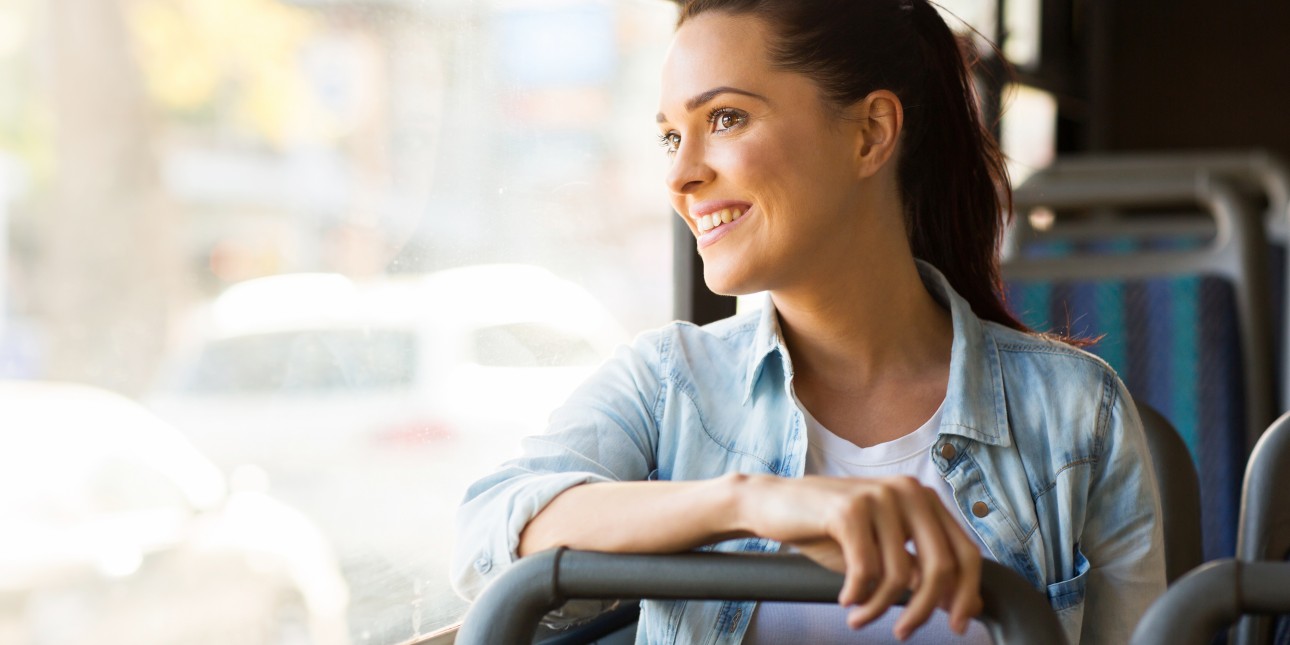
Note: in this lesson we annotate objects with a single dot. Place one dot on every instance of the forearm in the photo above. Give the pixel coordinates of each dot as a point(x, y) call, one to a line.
point(639, 517)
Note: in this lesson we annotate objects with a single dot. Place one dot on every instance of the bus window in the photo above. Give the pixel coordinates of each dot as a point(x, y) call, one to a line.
point(347, 251)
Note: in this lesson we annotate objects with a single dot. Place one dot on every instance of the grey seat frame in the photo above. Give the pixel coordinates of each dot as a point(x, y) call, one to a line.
point(509, 609)
point(1179, 493)
point(1208, 599)
point(1264, 532)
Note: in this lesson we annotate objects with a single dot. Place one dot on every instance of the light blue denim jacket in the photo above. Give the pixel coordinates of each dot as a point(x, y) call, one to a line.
point(1046, 437)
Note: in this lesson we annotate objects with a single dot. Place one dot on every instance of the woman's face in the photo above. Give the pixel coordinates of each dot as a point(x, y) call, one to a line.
point(757, 147)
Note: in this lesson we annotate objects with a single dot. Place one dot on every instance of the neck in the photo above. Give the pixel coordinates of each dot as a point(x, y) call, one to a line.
point(851, 334)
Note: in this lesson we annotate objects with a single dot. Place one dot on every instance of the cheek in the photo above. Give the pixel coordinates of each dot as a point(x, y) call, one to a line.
point(755, 162)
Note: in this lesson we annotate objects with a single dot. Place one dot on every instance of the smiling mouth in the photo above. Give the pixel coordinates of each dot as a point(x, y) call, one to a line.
point(715, 220)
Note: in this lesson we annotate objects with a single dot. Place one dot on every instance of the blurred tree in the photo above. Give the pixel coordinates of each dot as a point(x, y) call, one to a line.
point(107, 262)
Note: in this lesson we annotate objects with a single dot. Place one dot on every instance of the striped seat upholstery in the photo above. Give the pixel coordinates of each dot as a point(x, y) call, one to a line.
point(1175, 342)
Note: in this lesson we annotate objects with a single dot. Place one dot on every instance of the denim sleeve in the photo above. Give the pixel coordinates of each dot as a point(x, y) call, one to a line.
point(606, 431)
point(1123, 537)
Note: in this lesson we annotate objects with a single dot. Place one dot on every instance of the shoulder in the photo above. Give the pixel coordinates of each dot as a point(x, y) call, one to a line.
point(685, 341)
point(680, 351)
point(1052, 385)
point(1039, 354)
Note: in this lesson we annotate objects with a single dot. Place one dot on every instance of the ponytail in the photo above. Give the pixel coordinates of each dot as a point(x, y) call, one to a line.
point(951, 174)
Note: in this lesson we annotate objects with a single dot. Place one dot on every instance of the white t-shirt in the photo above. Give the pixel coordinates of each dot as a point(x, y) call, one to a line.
point(831, 455)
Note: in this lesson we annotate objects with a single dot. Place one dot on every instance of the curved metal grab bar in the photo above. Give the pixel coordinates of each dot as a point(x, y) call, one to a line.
point(1264, 533)
point(509, 609)
point(1214, 595)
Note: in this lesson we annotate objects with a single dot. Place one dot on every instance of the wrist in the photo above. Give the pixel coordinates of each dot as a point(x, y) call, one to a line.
point(739, 501)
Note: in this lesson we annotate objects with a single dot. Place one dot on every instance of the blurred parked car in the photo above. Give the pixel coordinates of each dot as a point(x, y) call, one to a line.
point(357, 397)
point(116, 530)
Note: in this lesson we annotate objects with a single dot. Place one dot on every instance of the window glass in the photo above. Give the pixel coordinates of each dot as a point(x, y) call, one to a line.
point(532, 345)
point(121, 486)
point(343, 253)
point(306, 361)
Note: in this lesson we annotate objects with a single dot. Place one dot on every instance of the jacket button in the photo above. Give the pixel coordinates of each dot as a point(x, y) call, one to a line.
point(979, 509)
point(948, 451)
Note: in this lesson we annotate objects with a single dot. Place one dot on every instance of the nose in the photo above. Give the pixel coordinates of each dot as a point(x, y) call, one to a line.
point(689, 171)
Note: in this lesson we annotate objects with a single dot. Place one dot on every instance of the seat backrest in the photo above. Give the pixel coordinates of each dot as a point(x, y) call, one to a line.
point(509, 609)
point(1179, 493)
point(1265, 515)
point(1209, 598)
point(1260, 173)
point(1183, 320)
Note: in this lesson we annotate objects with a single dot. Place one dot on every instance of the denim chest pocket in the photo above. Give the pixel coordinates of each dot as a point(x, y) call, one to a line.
point(1070, 592)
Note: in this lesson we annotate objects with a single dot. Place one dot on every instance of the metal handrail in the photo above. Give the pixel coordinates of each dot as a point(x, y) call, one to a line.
point(1208, 599)
point(1264, 532)
point(1269, 172)
point(510, 608)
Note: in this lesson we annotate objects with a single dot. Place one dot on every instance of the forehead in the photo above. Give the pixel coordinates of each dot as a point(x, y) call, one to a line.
point(711, 50)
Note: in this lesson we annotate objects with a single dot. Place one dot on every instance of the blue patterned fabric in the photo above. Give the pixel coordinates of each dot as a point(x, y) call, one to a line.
point(1175, 342)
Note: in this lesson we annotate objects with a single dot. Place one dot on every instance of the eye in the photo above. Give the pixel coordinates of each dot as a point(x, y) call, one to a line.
point(723, 119)
point(670, 141)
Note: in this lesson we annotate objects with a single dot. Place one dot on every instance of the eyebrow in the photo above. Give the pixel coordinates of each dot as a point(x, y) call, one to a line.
point(713, 93)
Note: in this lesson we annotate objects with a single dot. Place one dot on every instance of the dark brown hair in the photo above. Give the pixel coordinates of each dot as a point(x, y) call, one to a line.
point(951, 173)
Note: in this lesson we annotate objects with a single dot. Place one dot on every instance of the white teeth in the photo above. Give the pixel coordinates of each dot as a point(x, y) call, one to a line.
point(723, 216)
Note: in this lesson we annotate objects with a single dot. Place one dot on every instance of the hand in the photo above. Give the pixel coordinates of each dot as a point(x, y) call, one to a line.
point(860, 527)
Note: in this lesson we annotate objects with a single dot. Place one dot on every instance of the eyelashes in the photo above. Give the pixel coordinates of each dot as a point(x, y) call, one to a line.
point(726, 117)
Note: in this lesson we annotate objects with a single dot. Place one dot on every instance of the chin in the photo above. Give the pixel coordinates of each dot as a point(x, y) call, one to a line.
point(728, 283)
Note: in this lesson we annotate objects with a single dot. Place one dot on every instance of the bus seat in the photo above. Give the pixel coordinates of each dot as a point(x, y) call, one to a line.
point(1179, 493)
point(1180, 303)
point(1260, 174)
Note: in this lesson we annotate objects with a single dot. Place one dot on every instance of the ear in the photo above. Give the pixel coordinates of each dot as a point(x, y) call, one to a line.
point(880, 118)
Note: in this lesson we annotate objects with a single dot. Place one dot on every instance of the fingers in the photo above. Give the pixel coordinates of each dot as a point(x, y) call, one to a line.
point(867, 524)
point(896, 561)
point(937, 562)
point(965, 598)
point(860, 551)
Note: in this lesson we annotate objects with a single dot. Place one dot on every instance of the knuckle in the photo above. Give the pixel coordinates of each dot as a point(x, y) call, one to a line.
point(887, 494)
point(941, 570)
point(901, 575)
point(867, 574)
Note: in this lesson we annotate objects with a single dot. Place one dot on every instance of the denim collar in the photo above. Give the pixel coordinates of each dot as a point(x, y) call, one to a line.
point(974, 399)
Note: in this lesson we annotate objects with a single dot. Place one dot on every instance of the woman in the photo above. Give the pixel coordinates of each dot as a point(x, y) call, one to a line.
point(829, 153)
